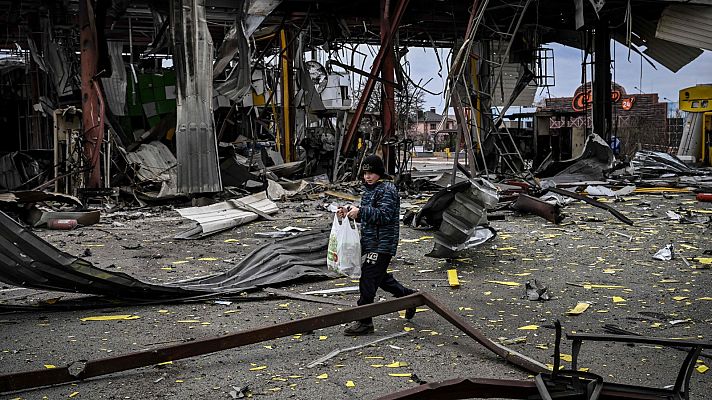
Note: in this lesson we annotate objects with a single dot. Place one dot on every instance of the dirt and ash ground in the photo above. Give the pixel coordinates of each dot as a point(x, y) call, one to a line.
point(655, 298)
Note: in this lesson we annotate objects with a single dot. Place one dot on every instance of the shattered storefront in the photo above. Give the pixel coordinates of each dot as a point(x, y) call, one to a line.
point(232, 90)
point(639, 119)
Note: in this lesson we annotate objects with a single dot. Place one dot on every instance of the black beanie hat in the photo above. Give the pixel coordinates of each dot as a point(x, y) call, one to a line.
point(373, 163)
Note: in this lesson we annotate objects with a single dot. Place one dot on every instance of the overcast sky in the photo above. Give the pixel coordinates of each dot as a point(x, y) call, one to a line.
point(567, 64)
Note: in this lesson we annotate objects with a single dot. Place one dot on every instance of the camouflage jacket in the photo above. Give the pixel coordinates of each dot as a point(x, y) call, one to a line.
point(379, 216)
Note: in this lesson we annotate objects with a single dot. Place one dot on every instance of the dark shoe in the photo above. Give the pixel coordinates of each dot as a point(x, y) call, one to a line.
point(410, 312)
point(358, 328)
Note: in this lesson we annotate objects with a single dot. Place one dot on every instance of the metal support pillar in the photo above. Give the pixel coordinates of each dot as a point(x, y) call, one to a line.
point(287, 89)
point(92, 105)
point(602, 81)
point(375, 68)
point(388, 103)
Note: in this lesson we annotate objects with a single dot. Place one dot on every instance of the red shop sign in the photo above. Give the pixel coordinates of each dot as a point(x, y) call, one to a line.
point(584, 99)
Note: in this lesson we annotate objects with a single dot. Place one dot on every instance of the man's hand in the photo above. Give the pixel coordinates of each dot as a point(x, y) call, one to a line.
point(341, 212)
point(353, 213)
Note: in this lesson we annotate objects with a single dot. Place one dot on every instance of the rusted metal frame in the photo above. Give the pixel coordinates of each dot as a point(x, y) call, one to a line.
point(467, 388)
point(614, 329)
point(471, 21)
point(287, 86)
point(375, 68)
point(640, 339)
point(472, 24)
point(682, 382)
point(388, 101)
point(92, 106)
point(575, 350)
point(456, 160)
point(464, 129)
point(94, 368)
point(509, 355)
point(592, 202)
point(529, 204)
point(557, 349)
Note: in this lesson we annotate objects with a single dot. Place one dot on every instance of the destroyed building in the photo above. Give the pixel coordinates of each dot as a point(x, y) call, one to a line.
point(639, 119)
point(170, 170)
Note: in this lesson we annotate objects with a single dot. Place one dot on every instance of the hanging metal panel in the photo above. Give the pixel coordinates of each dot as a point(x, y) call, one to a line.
point(688, 25)
point(196, 146)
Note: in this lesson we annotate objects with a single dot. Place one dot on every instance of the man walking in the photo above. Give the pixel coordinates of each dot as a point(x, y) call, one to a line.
point(378, 214)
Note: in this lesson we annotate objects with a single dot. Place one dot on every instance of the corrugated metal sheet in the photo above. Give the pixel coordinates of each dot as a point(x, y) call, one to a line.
point(671, 55)
point(228, 214)
point(28, 261)
point(688, 25)
point(196, 145)
point(156, 164)
point(258, 11)
point(115, 85)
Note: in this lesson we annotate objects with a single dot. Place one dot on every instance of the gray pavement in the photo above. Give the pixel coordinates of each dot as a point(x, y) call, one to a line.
point(646, 296)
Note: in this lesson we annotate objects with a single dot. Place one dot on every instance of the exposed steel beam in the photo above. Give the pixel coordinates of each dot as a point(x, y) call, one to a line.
point(388, 101)
point(92, 104)
point(378, 62)
point(93, 368)
point(287, 90)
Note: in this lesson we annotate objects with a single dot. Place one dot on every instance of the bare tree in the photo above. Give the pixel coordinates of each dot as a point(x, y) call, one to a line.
point(409, 100)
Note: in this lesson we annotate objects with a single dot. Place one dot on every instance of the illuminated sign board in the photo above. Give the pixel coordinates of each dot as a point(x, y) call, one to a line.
point(583, 100)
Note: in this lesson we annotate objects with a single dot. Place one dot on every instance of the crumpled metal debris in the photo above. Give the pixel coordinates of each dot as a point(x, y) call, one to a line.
point(556, 199)
point(457, 212)
point(228, 214)
point(549, 211)
point(687, 217)
point(154, 164)
point(664, 254)
point(673, 215)
point(535, 291)
point(596, 158)
point(656, 164)
point(28, 261)
point(604, 191)
point(240, 392)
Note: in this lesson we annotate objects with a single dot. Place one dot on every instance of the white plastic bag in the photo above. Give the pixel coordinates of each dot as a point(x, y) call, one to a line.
point(344, 253)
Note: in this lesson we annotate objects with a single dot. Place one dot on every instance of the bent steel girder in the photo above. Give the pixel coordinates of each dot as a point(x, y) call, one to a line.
point(93, 368)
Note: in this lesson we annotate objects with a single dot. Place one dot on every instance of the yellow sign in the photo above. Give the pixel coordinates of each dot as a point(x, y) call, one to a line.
point(696, 98)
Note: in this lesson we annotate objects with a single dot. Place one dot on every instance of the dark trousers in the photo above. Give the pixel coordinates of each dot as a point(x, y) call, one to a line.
point(373, 276)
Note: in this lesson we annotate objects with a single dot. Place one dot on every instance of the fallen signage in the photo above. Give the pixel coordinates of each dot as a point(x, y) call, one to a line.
point(89, 369)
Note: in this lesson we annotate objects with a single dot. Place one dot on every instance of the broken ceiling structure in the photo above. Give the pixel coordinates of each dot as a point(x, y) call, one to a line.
point(270, 99)
point(284, 76)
